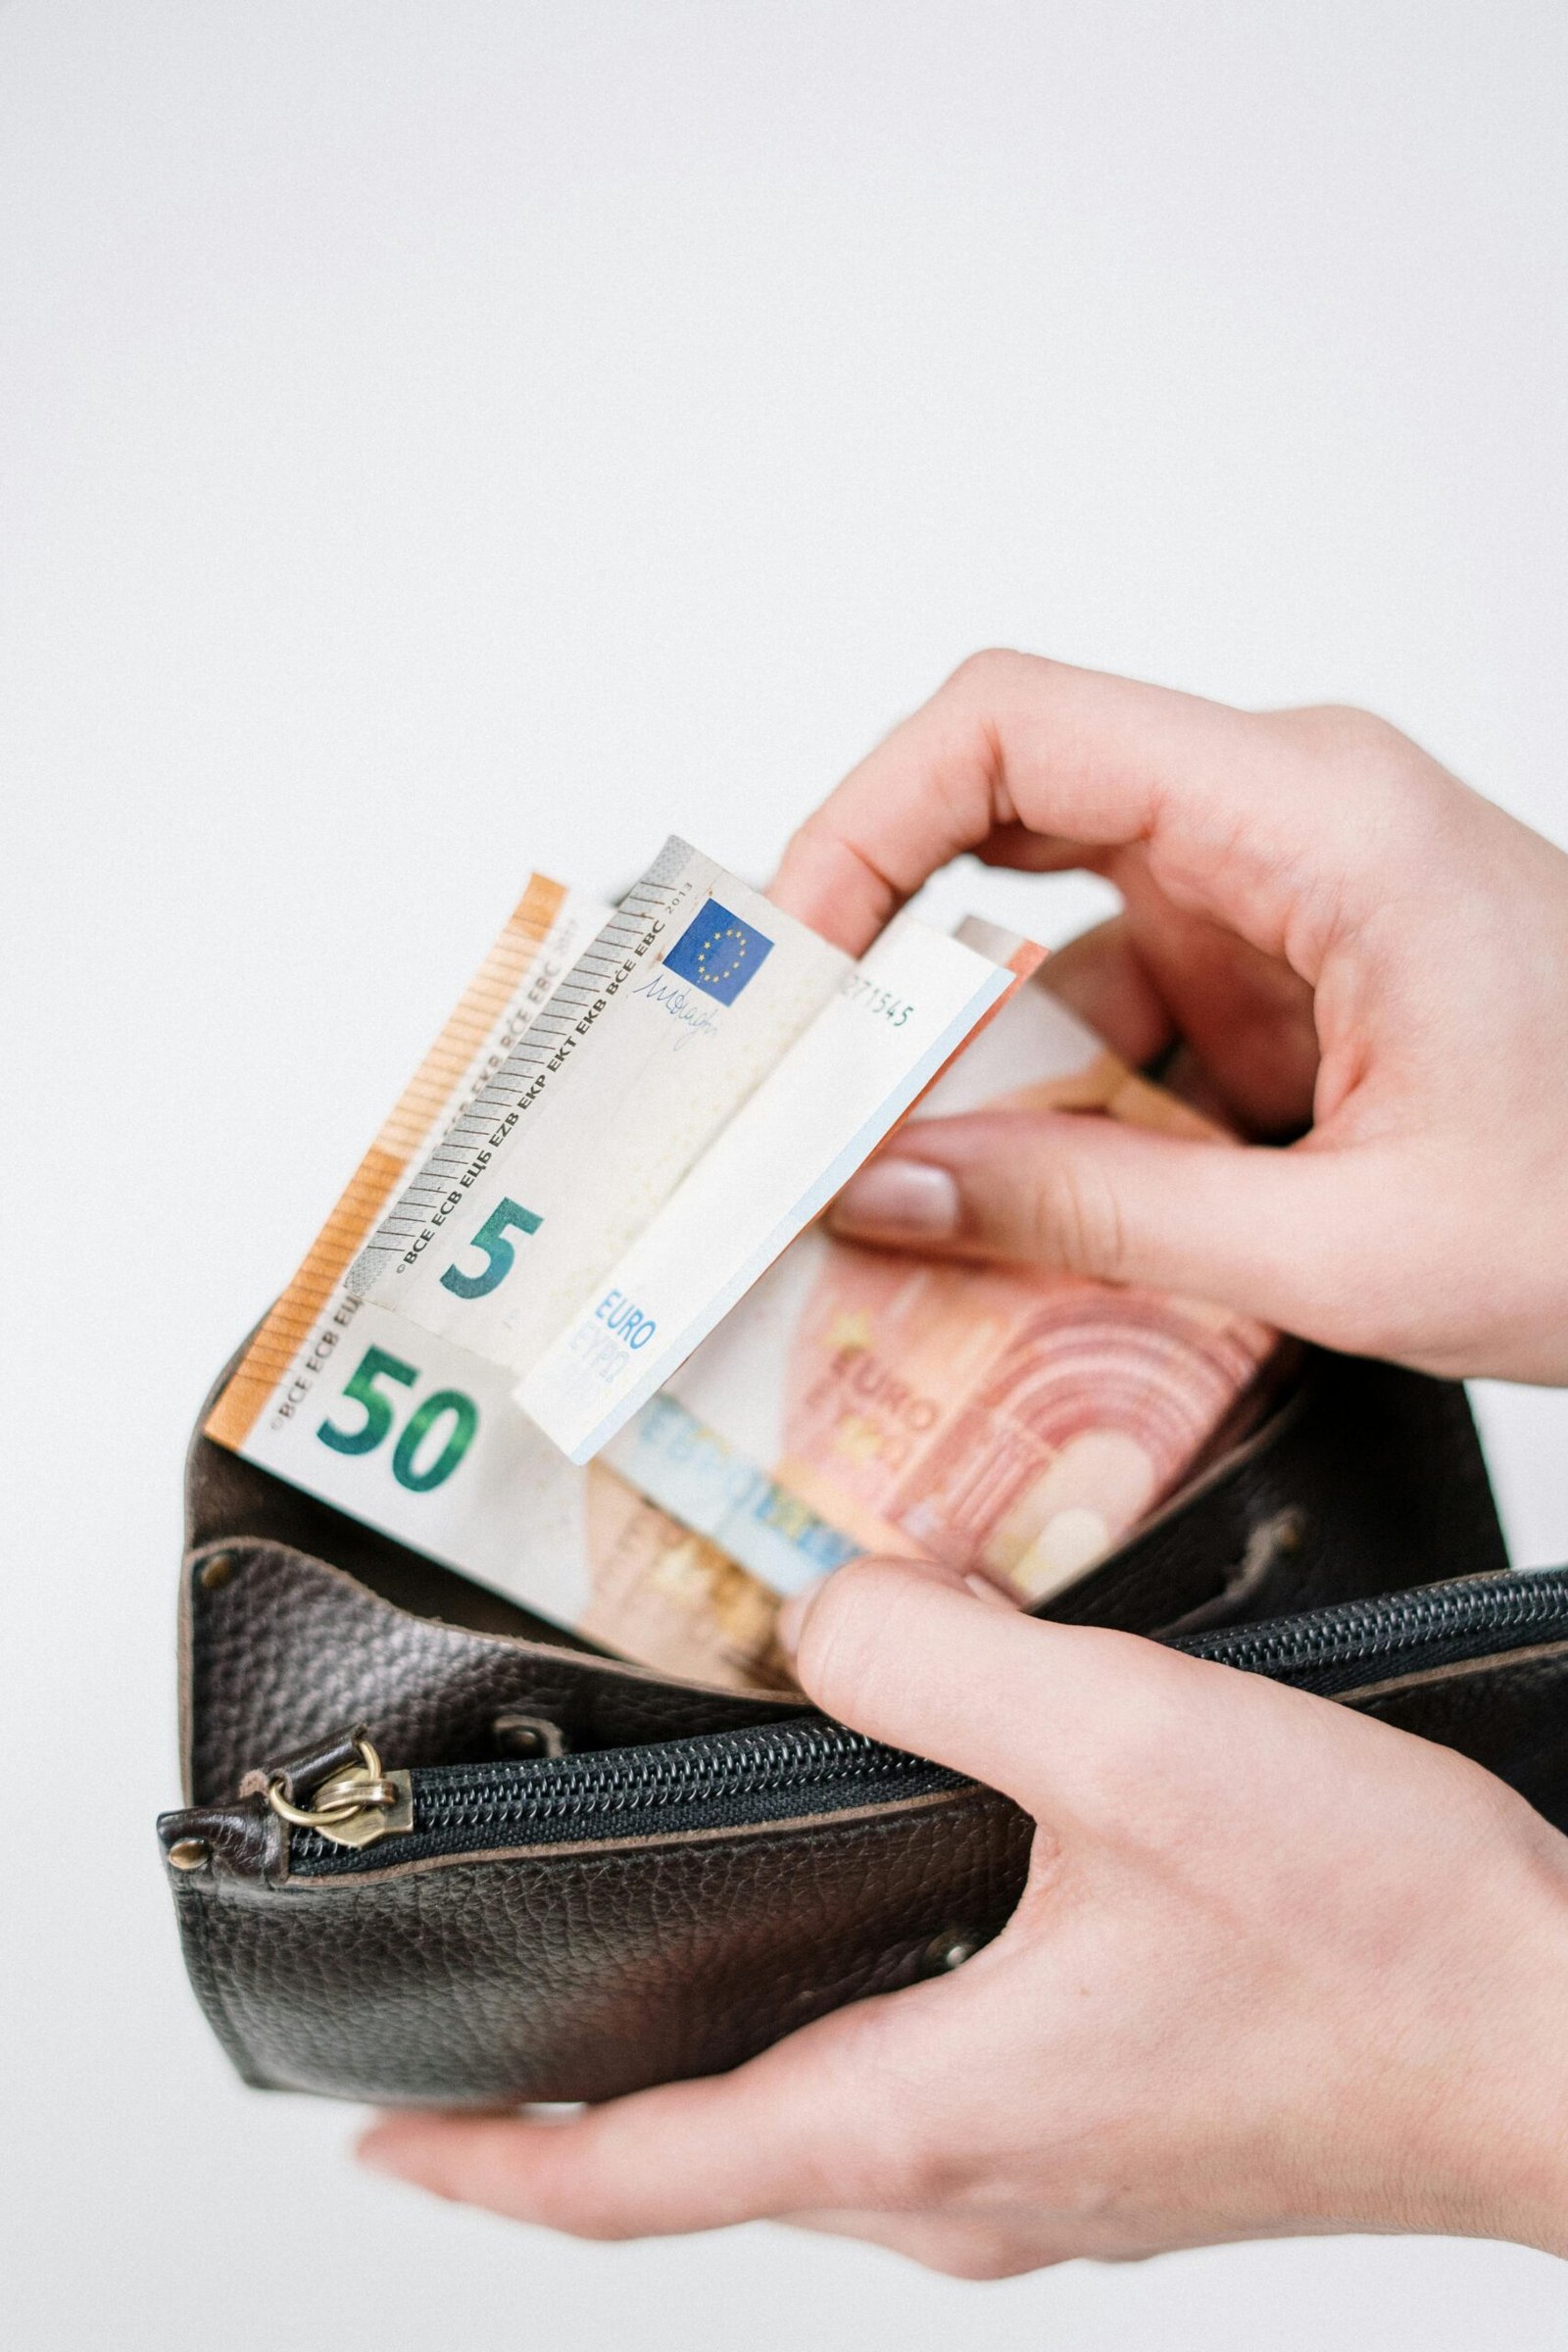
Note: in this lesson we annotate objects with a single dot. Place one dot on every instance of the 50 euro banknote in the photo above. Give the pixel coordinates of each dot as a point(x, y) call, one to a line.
point(618, 1044)
point(815, 1423)
point(1008, 1420)
point(420, 1438)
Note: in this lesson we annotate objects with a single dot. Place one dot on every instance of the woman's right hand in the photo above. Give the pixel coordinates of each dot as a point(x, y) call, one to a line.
point(1341, 938)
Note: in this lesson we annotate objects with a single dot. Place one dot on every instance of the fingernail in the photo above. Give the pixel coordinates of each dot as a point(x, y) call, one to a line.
point(790, 1623)
point(899, 1195)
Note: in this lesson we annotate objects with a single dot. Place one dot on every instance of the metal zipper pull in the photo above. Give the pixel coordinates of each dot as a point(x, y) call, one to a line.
point(355, 1805)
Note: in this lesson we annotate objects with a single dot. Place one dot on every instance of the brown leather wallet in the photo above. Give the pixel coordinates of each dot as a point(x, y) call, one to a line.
point(434, 1851)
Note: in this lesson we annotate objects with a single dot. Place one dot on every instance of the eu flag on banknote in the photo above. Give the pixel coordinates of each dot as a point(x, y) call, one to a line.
point(718, 952)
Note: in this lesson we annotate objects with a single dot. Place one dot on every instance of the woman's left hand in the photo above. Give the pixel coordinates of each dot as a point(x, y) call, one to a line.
point(1278, 1969)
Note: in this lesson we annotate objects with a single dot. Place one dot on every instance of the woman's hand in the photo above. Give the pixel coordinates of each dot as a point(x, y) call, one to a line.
point(1334, 934)
point(1278, 1969)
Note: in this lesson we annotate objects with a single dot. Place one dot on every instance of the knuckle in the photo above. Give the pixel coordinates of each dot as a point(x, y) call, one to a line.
point(1075, 1220)
point(981, 675)
point(928, 2175)
point(899, 2152)
point(1345, 728)
point(1366, 748)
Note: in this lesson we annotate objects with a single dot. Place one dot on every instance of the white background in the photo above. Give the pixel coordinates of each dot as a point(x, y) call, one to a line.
point(443, 437)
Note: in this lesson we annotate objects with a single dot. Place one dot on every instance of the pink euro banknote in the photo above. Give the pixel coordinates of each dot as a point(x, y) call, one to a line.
point(1009, 1420)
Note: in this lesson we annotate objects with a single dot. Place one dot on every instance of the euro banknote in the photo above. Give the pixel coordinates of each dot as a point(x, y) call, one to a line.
point(420, 1438)
point(675, 1547)
point(1012, 1421)
point(688, 995)
point(910, 1003)
point(691, 1095)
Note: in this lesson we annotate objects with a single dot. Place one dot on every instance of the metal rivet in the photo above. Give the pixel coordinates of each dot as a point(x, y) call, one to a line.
point(217, 1570)
point(516, 1735)
point(949, 1951)
point(190, 1853)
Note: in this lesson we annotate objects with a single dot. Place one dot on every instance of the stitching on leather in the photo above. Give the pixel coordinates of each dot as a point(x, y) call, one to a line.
point(1498, 1663)
point(803, 1842)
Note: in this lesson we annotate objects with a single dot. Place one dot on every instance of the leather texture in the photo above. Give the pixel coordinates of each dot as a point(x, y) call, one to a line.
point(580, 1973)
point(285, 1649)
point(1511, 1713)
point(1365, 1479)
point(596, 1968)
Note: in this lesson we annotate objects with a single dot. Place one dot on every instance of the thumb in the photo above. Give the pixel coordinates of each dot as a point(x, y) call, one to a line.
point(901, 1651)
point(1253, 1229)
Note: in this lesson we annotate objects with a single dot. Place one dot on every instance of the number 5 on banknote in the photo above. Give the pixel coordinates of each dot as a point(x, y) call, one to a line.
point(377, 1363)
point(501, 1253)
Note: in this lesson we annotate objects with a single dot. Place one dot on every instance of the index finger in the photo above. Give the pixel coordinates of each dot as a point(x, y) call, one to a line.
point(1072, 756)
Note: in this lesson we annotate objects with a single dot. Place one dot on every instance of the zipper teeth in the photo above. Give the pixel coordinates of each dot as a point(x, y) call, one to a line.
point(459, 1799)
point(1375, 1629)
point(750, 1764)
point(476, 1800)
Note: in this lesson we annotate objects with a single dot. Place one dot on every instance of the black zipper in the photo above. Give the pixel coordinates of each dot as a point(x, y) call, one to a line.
point(1354, 1643)
point(723, 1781)
point(795, 1770)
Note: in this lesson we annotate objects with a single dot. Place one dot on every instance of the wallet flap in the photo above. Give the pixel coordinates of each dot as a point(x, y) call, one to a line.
point(280, 1648)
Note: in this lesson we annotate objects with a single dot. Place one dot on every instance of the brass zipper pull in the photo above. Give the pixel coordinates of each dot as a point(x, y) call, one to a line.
point(356, 1806)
